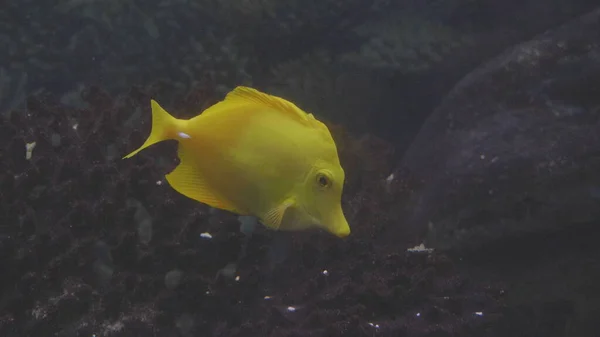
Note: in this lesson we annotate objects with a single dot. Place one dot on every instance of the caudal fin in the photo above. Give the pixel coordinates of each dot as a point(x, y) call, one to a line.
point(163, 127)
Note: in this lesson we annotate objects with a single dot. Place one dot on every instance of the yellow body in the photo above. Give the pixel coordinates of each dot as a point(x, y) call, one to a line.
point(257, 154)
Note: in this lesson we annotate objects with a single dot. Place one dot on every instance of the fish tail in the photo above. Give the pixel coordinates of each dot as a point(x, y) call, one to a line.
point(163, 128)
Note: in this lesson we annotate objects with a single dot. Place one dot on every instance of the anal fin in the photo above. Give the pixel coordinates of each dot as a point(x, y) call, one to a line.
point(189, 181)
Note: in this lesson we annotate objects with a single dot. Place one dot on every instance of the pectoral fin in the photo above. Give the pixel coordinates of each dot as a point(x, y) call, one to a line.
point(273, 217)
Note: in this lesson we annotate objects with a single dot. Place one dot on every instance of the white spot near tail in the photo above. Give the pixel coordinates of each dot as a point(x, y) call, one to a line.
point(184, 135)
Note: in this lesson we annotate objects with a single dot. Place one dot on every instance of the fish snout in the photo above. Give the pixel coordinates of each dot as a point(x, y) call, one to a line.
point(342, 231)
point(338, 225)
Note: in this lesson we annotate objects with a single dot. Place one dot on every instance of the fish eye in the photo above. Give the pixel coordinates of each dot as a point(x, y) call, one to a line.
point(323, 180)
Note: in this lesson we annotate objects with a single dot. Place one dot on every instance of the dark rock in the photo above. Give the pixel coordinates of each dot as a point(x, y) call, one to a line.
point(515, 147)
point(505, 172)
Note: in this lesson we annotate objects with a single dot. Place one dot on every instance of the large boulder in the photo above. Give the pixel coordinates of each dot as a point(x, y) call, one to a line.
point(514, 148)
point(505, 174)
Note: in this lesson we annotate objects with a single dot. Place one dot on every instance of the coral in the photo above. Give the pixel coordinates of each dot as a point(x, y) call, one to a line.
point(405, 41)
point(117, 44)
point(98, 245)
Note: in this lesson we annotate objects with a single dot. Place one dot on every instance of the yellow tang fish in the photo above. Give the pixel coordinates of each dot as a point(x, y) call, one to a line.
point(260, 155)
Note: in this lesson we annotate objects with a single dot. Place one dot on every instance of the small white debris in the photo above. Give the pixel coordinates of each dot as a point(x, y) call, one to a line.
point(29, 150)
point(291, 309)
point(376, 326)
point(482, 156)
point(206, 235)
point(75, 126)
point(478, 313)
point(207, 292)
point(325, 272)
point(267, 297)
point(420, 248)
point(237, 278)
point(388, 183)
point(184, 135)
point(159, 182)
point(418, 314)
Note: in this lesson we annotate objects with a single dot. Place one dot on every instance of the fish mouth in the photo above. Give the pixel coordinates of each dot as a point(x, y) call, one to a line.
point(338, 225)
point(342, 232)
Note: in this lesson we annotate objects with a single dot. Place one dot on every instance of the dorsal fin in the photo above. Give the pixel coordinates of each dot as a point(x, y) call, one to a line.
point(247, 95)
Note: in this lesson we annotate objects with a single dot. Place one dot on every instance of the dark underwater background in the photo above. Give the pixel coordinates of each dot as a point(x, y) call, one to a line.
point(469, 126)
